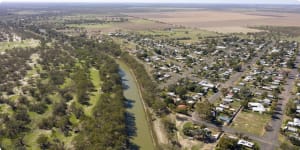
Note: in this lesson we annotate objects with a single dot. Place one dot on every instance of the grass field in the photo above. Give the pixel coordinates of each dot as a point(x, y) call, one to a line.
point(131, 25)
point(251, 122)
point(94, 73)
point(93, 26)
point(193, 34)
point(25, 43)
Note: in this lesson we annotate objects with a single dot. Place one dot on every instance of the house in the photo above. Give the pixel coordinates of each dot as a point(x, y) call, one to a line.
point(242, 84)
point(196, 97)
point(267, 88)
point(167, 76)
point(236, 90)
point(182, 107)
point(220, 47)
point(191, 102)
point(171, 94)
point(220, 109)
point(276, 82)
point(206, 84)
point(256, 107)
point(248, 78)
point(216, 136)
point(290, 129)
point(266, 101)
point(228, 100)
point(245, 143)
point(275, 50)
point(224, 106)
point(230, 95)
point(294, 123)
point(298, 108)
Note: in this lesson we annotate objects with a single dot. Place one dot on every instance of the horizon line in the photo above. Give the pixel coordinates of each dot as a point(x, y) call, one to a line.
point(214, 3)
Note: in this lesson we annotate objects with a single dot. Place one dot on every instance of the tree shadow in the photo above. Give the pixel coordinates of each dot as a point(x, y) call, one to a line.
point(130, 124)
point(122, 74)
point(129, 103)
point(133, 146)
point(125, 86)
point(131, 130)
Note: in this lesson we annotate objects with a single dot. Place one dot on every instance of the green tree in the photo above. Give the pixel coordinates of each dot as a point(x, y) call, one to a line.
point(204, 110)
point(43, 141)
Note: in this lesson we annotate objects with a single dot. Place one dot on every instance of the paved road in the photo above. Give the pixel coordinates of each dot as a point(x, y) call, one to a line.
point(277, 118)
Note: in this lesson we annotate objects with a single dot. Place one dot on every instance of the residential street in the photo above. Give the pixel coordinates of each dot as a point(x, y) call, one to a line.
point(278, 117)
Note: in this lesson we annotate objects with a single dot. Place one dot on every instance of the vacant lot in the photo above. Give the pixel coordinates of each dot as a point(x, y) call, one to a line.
point(223, 21)
point(251, 122)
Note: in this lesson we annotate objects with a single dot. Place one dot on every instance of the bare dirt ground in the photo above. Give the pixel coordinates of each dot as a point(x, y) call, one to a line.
point(160, 132)
point(191, 144)
point(223, 21)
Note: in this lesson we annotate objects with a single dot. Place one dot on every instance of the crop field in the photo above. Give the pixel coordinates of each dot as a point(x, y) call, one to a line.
point(229, 21)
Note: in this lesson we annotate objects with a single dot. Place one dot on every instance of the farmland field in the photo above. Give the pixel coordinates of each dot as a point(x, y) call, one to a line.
point(229, 21)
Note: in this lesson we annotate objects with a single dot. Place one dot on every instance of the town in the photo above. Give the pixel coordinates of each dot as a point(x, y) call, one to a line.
point(127, 76)
point(243, 79)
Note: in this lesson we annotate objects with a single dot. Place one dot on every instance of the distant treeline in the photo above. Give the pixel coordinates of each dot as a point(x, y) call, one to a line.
point(291, 31)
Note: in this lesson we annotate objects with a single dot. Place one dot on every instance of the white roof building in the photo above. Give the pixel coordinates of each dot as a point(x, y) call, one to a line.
point(245, 143)
point(206, 84)
point(294, 123)
point(228, 100)
point(257, 107)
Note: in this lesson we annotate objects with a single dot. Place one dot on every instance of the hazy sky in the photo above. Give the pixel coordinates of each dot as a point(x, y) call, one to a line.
point(170, 1)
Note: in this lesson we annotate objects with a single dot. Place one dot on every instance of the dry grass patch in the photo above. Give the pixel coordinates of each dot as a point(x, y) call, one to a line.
point(251, 122)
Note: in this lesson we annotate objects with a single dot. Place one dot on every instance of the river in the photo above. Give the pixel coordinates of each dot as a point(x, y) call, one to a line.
point(137, 127)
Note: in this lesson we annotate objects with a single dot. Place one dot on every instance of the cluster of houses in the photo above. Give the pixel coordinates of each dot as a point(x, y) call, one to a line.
point(263, 84)
point(190, 97)
point(9, 37)
point(257, 107)
point(292, 128)
point(225, 109)
point(4, 37)
point(213, 59)
point(267, 77)
point(280, 54)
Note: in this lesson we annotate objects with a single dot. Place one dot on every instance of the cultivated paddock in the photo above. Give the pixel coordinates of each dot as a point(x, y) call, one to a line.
point(222, 21)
